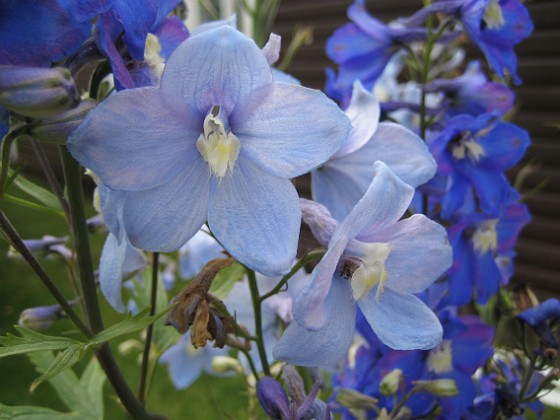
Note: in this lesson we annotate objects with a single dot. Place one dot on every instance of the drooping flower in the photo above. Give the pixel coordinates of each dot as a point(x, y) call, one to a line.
point(342, 181)
point(369, 262)
point(218, 141)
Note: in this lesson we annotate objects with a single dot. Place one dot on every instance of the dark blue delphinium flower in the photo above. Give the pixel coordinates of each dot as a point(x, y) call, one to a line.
point(466, 345)
point(472, 93)
point(478, 242)
point(363, 48)
point(474, 152)
point(495, 26)
point(37, 33)
point(540, 319)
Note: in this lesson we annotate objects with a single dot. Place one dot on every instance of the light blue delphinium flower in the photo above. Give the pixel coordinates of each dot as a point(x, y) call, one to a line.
point(343, 180)
point(218, 141)
point(185, 363)
point(373, 261)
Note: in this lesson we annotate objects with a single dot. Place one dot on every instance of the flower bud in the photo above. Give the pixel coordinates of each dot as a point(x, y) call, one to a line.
point(273, 398)
point(350, 398)
point(390, 383)
point(438, 387)
point(58, 128)
point(40, 317)
point(37, 92)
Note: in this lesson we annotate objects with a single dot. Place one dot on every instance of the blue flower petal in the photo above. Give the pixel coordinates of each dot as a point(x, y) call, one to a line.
point(229, 66)
point(287, 129)
point(401, 321)
point(111, 270)
point(137, 139)
point(162, 219)
point(328, 345)
point(420, 253)
point(256, 217)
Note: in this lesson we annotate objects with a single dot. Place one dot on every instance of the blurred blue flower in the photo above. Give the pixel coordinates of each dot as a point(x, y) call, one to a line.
point(363, 48)
point(342, 181)
point(472, 93)
point(200, 249)
point(218, 141)
point(369, 261)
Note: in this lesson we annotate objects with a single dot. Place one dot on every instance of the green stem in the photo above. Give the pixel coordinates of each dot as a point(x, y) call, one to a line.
point(19, 245)
point(150, 331)
point(51, 177)
point(251, 363)
point(527, 376)
point(258, 319)
point(6, 148)
point(311, 256)
point(72, 176)
point(73, 179)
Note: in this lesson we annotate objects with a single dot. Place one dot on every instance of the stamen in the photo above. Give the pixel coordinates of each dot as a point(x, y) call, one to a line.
point(371, 271)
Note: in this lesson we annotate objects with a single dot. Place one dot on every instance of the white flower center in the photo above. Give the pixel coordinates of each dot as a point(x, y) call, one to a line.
point(485, 238)
point(467, 146)
point(218, 147)
point(493, 15)
point(440, 358)
point(371, 271)
point(152, 56)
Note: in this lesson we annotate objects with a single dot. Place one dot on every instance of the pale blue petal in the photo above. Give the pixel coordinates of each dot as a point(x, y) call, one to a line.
point(364, 112)
point(230, 21)
point(343, 181)
point(328, 345)
point(111, 271)
point(256, 217)
point(340, 187)
point(310, 310)
point(383, 204)
point(112, 203)
point(420, 253)
point(137, 139)
point(319, 220)
point(229, 65)
point(164, 218)
point(401, 321)
point(287, 129)
point(403, 151)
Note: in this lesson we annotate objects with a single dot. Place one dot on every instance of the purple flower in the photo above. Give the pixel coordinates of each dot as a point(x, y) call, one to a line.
point(369, 263)
point(218, 141)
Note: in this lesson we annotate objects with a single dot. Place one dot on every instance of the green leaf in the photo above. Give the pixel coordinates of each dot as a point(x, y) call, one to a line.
point(29, 204)
point(83, 396)
point(32, 413)
point(41, 194)
point(63, 361)
point(127, 326)
point(225, 279)
point(32, 341)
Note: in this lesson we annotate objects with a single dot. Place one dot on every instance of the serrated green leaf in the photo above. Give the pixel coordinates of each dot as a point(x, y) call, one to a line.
point(32, 341)
point(66, 358)
point(226, 279)
point(127, 326)
point(32, 413)
point(79, 395)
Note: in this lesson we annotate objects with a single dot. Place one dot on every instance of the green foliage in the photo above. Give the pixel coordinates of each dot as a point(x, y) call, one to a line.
point(225, 280)
point(32, 341)
point(83, 396)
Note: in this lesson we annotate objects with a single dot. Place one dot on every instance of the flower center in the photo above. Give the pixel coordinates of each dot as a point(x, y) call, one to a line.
point(152, 56)
point(217, 146)
point(485, 237)
point(371, 271)
point(493, 15)
point(440, 358)
point(465, 146)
